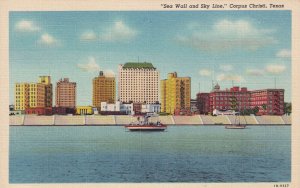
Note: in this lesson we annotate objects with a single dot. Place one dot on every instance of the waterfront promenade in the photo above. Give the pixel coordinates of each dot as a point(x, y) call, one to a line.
point(61, 120)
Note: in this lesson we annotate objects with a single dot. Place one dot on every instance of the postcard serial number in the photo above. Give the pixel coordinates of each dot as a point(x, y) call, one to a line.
point(281, 185)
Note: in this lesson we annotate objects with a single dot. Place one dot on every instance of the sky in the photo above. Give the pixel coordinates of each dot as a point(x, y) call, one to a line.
point(243, 48)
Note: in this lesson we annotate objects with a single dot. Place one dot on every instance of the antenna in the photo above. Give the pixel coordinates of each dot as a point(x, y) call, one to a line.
point(199, 87)
point(232, 83)
point(275, 82)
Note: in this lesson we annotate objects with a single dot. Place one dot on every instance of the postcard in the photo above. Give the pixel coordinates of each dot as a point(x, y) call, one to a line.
point(149, 93)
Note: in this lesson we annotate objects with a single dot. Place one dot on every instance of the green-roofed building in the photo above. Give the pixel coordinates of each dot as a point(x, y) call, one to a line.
point(138, 83)
point(144, 65)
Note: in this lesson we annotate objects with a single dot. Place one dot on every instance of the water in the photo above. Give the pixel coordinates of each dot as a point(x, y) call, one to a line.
point(182, 154)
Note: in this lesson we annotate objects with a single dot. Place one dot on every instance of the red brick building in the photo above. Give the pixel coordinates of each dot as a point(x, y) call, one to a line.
point(268, 101)
point(39, 111)
point(65, 93)
point(203, 103)
point(63, 110)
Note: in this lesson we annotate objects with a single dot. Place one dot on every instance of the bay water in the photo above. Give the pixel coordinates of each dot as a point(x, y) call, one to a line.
point(94, 154)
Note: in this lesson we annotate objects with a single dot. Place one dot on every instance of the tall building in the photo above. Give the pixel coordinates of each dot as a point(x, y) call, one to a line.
point(267, 101)
point(138, 83)
point(175, 93)
point(21, 96)
point(34, 95)
point(203, 103)
point(46, 81)
point(37, 95)
point(104, 89)
point(65, 93)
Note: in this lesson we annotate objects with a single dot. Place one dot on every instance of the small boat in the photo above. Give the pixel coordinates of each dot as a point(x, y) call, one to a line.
point(237, 126)
point(237, 123)
point(143, 124)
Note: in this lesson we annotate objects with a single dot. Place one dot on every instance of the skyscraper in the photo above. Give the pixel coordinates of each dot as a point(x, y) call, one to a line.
point(104, 89)
point(21, 96)
point(175, 93)
point(37, 95)
point(65, 93)
point(138, 83)
point(46, 81)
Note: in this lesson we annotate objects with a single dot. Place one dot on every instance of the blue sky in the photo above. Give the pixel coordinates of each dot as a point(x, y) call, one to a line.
point(247, 48)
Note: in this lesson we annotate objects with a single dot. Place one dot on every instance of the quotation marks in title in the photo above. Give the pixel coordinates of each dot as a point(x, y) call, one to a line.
point(222, 6)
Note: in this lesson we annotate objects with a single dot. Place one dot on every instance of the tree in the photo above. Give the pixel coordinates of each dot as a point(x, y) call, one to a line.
point(287, 108)
point(233, 103)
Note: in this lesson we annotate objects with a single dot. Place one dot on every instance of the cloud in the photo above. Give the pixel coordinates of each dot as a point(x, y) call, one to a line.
point(88, 36)
point(27, 26)
point(109, 73)
point(205, 72)
point(226, 68)
point(225, 35)
point(119, 31)
point(255, 72)
point(92, 66)
point(47, 39)
point(284, 53)
point(230, 77)
point(89, 66)
point(275, 68)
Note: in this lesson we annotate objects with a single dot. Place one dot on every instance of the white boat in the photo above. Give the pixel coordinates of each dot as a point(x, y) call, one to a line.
point(143, 124)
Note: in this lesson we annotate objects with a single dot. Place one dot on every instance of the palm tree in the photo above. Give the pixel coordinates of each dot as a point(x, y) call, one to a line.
point(233, 102)
point(255, 110)
point(264, 106)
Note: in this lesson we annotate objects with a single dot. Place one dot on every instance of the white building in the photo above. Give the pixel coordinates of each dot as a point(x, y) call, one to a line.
point(224, 112)
point(138, 83)
point(95, 110)
point(117, 107)
point(111, 107)
point(128, 108)
point(150, 108)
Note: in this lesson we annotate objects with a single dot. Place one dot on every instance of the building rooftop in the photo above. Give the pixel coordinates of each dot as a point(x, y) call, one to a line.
point(135, 65)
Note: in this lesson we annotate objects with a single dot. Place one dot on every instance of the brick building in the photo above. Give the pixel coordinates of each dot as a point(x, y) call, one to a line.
point(104, 89)
point(267, 101)
point(65, 93)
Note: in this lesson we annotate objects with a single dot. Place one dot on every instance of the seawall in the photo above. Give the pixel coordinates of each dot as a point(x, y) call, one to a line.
point(65, 120)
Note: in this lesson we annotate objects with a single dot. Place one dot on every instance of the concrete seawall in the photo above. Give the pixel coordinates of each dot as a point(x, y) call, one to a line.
point(61, 120)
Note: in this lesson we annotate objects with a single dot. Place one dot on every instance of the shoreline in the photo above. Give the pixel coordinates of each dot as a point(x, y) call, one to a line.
point(120, 120)
point(172, 125)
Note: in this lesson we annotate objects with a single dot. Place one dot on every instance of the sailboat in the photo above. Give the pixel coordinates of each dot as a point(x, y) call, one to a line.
point(237, 122)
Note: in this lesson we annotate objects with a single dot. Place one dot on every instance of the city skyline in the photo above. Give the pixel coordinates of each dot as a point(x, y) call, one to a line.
point(252, 49)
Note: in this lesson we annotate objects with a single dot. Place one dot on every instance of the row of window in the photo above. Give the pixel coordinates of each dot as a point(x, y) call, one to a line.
point(140, 70)
point(229, 103)
point(228, 98)
point(137, 74)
